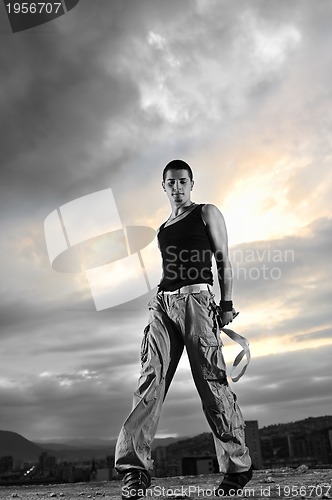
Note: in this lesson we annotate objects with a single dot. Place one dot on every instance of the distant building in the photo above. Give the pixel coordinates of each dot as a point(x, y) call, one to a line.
point(18, 464)
point(193, 466)
point(315, 449)
point(254, 444)
point(297, 448)
point(6, 464)
point(47, 465)
point(93, 471)
point(197, 455)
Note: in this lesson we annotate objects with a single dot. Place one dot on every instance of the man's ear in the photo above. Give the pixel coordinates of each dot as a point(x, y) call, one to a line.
point(163, 185)
point(192, 185)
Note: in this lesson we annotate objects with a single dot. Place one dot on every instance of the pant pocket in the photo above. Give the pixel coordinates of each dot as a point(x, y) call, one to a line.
point(144, 345)
point(147, 384)
point(211, 359)
point(235, 416)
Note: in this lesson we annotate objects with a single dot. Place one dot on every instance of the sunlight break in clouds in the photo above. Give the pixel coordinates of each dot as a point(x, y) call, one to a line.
point(260, 196)
point(271, 42)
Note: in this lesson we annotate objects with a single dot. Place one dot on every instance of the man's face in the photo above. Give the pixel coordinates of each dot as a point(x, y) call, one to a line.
point(178, 185)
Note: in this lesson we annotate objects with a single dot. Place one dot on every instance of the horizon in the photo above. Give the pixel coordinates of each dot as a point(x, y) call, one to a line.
point(59, 440)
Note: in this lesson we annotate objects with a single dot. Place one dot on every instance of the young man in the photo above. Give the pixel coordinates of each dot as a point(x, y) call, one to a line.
point(184, 314)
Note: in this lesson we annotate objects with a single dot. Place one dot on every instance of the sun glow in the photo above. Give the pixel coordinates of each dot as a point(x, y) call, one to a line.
point(256, 209)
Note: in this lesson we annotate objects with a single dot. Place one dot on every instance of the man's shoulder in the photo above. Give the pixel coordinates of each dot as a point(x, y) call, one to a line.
point(209, 210)
point(208, 206)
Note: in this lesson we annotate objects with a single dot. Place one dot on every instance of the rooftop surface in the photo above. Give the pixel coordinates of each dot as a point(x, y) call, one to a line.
point(291, 484)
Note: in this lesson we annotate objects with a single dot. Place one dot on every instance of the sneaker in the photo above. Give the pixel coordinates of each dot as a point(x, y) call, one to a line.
point(135, 482)
point(233, 482)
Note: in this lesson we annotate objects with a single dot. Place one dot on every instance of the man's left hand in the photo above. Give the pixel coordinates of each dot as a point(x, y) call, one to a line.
point(227, 317)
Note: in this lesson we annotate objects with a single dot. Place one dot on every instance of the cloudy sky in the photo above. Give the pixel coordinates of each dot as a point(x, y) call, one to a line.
point(104, 97)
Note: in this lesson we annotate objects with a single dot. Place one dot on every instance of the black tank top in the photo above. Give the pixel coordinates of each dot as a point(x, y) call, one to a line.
point(186, 252)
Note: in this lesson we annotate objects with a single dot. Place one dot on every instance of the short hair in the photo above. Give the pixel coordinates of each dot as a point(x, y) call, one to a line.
point(178, 165)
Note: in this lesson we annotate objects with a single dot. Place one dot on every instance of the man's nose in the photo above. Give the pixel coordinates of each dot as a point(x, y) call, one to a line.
point(176, 186)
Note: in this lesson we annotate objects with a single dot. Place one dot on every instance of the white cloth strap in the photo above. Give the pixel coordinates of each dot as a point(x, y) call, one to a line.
point(236, 337)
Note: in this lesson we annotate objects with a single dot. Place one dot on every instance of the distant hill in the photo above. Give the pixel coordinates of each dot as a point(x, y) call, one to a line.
point(18, 447)
point(203, 444)
point(82, 450)
point(90, 443)
point(306, 426)
point(167, 441)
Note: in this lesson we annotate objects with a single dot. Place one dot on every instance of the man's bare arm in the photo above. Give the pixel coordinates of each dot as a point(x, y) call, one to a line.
point(217, 231)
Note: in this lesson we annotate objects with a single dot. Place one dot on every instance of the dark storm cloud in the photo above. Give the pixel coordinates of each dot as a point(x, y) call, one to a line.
point(54, 129)
point(63, 90)
point(53, 407)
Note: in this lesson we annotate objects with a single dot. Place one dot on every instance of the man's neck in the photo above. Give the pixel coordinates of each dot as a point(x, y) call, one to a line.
point(177, 208)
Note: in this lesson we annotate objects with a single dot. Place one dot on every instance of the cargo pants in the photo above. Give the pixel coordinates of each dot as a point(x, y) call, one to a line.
point(178, 320)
